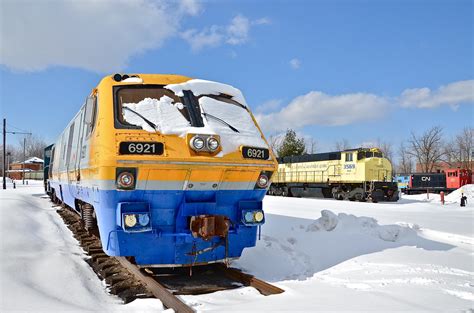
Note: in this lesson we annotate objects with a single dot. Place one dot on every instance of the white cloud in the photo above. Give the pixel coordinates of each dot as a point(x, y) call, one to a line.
point(96, 35)
point(238, 30)
point(208, 37)
point(191, 7)
point(262, 21)
point(270, 105)
point(235, 33)
point(318, 108)
point(295, 63)
point(452, 94)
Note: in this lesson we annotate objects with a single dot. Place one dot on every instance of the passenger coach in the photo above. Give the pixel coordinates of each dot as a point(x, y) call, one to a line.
point(166, 169)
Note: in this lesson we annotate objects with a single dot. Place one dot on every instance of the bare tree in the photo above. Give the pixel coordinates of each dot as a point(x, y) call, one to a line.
point(275, 141)
point(428, 148)
point(459, 151)
point(387, 149)
point(311, 144)
point(342, 145)
point(405, 160)
point(13, 155)
point(34, 146)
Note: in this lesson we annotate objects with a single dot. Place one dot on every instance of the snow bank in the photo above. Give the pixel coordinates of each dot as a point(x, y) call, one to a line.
point(42, 267)
point(329, 221)
point(467, 190)
point(298, 248)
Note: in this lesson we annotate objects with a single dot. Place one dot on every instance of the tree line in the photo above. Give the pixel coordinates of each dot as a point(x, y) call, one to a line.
point(427, 149)
point(34, 147)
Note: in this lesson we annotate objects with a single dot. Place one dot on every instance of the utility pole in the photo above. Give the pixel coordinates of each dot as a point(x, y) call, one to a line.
point(24, 158)
point(5, 151)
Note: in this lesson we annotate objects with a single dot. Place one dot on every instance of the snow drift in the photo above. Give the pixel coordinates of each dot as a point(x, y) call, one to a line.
point(298, 248)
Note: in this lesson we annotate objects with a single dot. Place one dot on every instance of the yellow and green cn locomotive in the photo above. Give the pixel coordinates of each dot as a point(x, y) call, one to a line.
point(362, 174)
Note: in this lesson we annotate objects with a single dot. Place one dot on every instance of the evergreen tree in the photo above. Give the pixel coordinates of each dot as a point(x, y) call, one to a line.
point(291, 145)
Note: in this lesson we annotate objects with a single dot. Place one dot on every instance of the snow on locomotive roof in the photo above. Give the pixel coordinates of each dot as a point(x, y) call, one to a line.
point(206, 87)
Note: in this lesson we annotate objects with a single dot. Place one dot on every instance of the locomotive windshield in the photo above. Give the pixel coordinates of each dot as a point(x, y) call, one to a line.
point(224, 111)
point(368, 154)
point(154, 108)
point(151, 108)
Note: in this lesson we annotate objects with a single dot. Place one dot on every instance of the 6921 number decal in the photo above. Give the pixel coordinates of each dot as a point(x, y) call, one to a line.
point(141, 148)
point(255, 153)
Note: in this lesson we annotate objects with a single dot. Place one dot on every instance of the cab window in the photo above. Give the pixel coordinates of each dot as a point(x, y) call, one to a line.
point(349, 157)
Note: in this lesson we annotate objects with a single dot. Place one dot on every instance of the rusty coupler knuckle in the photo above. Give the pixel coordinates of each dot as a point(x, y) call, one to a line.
point(208, 226)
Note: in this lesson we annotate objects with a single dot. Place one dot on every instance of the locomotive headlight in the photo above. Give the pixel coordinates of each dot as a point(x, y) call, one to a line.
point(212, 143)
point(258, 216)
point(125, 180)
point(197, 143)
point(143, 219)
point(130, 220)
point(262, 181)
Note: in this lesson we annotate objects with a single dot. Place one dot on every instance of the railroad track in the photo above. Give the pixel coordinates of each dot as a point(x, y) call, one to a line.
point(129, 282)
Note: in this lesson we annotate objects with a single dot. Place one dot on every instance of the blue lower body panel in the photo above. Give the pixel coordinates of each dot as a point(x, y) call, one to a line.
point(169, 240)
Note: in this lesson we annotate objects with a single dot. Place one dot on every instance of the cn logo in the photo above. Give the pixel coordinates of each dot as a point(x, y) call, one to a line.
point(425, 178)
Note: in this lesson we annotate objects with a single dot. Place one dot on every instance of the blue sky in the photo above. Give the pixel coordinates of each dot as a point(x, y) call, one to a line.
point(356, 70)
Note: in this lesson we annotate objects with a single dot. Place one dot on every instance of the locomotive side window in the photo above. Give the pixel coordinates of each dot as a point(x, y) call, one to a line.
point(90, 114)
point(349, 157)
point(69, 143)
point(50, 170)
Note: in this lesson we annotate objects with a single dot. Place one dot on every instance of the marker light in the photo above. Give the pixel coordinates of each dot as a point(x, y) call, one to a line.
point(198, 143)
point(258, 216)
point(249, 217)
point(125, 180)
point(130, 220)
point(262, 181)
point(212, 144)
point(143, 219)
point(253, 217)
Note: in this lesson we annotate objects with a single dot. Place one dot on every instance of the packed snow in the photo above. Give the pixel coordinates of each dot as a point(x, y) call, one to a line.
point(163, 113)
point(167, 117)
point(201, 87)
point(414, 255)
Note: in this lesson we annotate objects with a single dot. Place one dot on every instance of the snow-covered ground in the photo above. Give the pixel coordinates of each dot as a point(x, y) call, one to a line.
point(413, 255)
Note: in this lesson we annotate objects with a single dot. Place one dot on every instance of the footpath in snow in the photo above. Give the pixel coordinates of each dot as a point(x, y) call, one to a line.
point(414, 255)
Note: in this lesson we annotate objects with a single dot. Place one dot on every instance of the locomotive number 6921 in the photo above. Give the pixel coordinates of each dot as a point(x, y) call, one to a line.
point(141, 148)
point(255, 153)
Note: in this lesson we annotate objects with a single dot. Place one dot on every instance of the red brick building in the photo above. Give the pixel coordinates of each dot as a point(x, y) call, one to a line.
point(33, 168)
point(440, 167)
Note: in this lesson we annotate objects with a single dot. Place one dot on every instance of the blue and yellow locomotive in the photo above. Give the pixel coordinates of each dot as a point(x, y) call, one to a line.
point(166, 169)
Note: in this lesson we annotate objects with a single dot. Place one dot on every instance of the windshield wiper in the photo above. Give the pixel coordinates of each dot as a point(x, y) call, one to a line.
point(222, 121)
point(153, 125)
